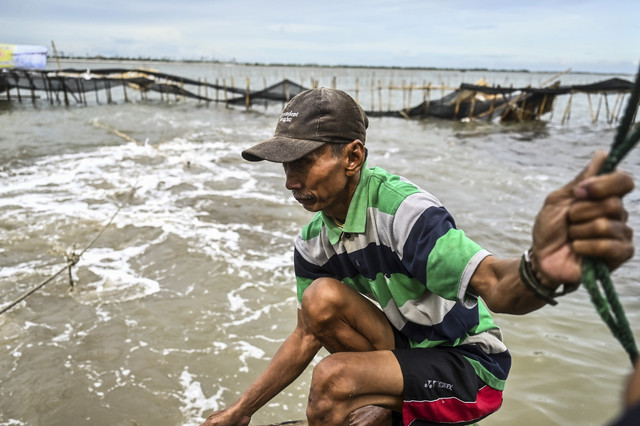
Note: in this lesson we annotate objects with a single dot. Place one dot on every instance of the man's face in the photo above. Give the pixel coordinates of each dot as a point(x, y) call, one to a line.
point(318, 181)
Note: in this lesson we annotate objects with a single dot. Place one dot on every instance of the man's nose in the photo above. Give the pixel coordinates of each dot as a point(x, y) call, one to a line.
point(292, 179)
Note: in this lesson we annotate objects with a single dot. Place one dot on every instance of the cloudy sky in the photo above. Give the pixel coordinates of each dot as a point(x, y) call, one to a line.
point(553, 35)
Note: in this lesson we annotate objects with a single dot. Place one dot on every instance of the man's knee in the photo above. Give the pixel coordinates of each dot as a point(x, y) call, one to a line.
point(321, 302)
point(330, 391)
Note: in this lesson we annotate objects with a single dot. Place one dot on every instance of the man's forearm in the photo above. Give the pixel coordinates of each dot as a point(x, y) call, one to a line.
point(288, 363)
point(498, 283)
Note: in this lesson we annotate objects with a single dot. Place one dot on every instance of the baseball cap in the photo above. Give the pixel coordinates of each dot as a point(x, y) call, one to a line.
point(311, 119)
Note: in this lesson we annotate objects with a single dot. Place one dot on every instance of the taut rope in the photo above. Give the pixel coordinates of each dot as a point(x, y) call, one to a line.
point(595, 270)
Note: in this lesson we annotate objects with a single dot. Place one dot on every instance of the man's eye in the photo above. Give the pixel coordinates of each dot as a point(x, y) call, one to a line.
point(297, 163)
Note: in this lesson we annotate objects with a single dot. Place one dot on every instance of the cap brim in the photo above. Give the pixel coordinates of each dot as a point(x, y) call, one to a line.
point(280, 149)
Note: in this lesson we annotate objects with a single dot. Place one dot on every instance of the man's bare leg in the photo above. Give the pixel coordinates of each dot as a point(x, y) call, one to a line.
point(361, 371)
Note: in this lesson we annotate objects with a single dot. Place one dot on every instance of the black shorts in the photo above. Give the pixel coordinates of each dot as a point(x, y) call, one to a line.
point(441, 386)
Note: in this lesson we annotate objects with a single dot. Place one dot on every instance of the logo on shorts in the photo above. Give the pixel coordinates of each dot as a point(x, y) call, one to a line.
point(437, 384)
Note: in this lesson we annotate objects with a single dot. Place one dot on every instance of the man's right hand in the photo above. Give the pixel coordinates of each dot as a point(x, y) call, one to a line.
point(227, 417)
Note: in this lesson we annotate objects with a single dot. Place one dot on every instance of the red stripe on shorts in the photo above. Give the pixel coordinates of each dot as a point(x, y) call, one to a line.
point(453, 410)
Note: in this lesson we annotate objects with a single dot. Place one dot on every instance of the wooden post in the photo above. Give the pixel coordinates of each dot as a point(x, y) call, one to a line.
point(64, 88)
point(599, 106)
point(404, 95)
point(373, 95)
point(606, 104)
point(32, 87)
point(593, 119)
point(124, 90)
point(206, 91)
point(543, 105)
point(47, 87)
point(491, 108)
point(473, 106)
point(615, 113)
point(226, 98)
point(427, 99)
point(521, 111)
point(247, 99)
point(264, 85)
point(380, 95)
point(567, 111)
point(18, 92)
point(80, 84)
point(109, 100)
point(95, 90)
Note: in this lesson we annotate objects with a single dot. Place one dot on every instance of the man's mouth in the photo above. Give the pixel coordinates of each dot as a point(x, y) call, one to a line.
point(301, 197)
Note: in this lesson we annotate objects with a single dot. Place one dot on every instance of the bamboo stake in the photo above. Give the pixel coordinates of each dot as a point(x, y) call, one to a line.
point(206, 91)
point(18, 92)
point(109, 99)
point(55, 54)
point(373, 96)
point(473, 106)
point(618, 107)
point(83, 95)
point(47, 88)
point(64, 88)
point(247, 100)
point(599, 106)
point(491, 108)
point(541, 107)
point(264, 85)
point(567, 111)
point(427, 99)
point(226, 98)
point(32, 87)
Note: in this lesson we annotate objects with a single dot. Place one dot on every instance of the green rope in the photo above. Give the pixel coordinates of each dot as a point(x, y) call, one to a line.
point(595, 271)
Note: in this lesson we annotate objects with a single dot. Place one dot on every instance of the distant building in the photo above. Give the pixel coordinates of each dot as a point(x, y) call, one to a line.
point(22, 56)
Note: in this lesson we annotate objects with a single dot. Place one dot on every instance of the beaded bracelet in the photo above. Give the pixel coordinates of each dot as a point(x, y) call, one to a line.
point(528, 277)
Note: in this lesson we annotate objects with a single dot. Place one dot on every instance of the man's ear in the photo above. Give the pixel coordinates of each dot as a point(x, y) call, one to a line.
point(355, 156)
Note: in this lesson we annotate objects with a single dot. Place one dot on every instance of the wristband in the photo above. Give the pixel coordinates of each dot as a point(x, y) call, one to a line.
point(531, 281)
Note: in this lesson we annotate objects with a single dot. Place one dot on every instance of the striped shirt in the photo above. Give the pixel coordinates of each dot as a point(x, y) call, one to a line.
point(400, 247)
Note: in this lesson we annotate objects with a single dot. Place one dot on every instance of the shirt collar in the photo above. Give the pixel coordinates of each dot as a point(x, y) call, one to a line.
point(356, 221)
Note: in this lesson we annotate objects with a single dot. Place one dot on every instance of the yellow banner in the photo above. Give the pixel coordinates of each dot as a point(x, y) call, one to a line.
point(6, 55)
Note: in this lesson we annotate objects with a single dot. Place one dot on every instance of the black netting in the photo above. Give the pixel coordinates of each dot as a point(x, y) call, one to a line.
point(468, 101)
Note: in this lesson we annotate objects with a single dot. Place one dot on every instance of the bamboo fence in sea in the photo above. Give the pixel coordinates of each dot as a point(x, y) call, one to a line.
point(478, 101)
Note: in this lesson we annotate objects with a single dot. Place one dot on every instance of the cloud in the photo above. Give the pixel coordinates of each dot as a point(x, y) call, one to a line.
point(584, 34)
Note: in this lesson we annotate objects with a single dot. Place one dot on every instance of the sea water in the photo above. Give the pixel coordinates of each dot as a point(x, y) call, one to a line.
point(181, 301)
